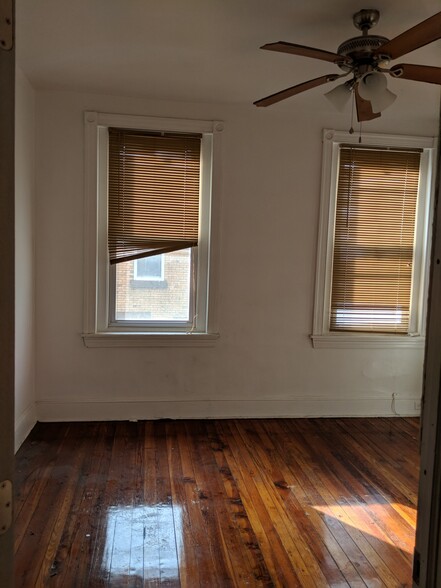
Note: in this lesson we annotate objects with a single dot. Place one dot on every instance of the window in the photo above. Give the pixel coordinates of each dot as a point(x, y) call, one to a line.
point(148, 189)
point(149, 268)
point(372, 259)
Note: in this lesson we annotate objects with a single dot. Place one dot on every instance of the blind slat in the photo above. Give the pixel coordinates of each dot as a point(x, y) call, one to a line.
point(153, 193)
point(374, 236)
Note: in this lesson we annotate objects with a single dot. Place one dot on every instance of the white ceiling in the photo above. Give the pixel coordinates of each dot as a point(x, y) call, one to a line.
point(196, 50)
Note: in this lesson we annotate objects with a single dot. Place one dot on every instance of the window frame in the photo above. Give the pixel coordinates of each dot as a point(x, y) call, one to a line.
point(321, 335)
point(98, 331)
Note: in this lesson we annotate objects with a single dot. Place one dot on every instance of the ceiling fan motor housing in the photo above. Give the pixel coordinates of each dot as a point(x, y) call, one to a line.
point(361, 51)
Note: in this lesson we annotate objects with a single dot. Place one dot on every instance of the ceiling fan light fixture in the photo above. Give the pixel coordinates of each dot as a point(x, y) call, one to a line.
point(366, 57)
point(339, 96)
point(384, 101)
point(373, 87)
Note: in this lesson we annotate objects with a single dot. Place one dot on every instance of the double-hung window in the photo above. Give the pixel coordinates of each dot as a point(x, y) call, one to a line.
point(373, 239)
point(148, 199)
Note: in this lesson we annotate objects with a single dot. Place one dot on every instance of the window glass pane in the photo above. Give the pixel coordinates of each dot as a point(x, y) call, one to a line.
point(149, 298)
point(149, 268)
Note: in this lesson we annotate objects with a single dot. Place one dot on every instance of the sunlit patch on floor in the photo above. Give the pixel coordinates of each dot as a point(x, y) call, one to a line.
point(143, 541)
point(363, 519)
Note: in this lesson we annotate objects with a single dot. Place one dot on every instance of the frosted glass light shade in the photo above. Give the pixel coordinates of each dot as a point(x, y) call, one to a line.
point(373, 87)
point(339, 96)
point(380, 103)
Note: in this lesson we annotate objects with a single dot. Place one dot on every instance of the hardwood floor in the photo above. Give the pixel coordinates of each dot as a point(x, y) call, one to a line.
point(295, 502)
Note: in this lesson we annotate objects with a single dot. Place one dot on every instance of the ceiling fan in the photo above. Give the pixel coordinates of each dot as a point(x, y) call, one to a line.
point(366, 58)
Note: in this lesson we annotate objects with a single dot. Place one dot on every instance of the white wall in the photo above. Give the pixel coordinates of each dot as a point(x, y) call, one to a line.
point(263, 364)
point(25, 410)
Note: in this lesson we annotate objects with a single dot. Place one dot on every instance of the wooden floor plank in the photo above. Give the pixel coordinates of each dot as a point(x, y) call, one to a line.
point(317, 475)
point(331, 558)
point(101, 527)
point(369, 497)
point(220, 568)
point(375, 540)
point(295, 543)
point(167, 526)
point(281, 569)
point(152, 574)
point(32, 474)
point(193, 551)
point(306, 483)
point(380, 468)
point(80, 526)
point(380, 435)
point(217, 504)
point(254, 572)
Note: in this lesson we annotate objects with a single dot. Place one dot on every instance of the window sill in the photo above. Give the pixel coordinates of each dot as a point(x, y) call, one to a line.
point(366, 341)
point(120, 339)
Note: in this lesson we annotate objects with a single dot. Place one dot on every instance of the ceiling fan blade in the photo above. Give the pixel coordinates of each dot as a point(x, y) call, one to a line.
point(364, 108)
point(284, 47)
point(422, 34)
point(419, 73)
point(278, 96)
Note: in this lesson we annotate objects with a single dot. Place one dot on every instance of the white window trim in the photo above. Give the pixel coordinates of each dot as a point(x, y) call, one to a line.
point(96, 329)
point(321, 335)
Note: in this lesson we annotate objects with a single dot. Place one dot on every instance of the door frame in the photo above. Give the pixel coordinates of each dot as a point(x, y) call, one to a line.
point(427, 564)
point(7, 277)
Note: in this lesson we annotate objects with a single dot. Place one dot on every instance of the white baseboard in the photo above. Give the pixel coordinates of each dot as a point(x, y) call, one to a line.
point(93, 410)
point(24, 424)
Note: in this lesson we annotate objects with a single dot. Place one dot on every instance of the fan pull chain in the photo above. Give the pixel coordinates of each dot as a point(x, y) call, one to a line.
point(351, 130)
point(359, 135)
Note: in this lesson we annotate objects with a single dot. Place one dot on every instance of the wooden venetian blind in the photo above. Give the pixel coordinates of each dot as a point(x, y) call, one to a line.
point(374, 239)
point(153, 193)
